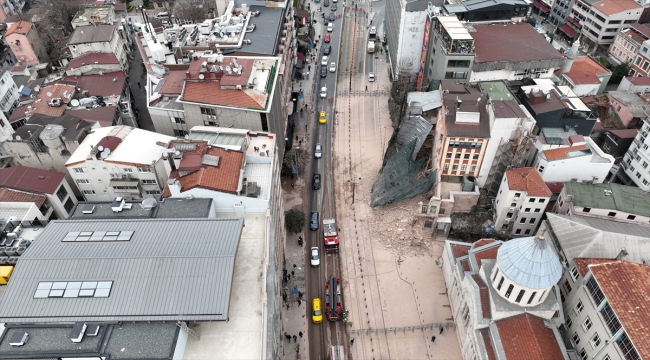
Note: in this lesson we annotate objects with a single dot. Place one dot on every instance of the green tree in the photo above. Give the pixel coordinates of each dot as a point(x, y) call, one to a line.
point(294, 220)
point(532, 21)
point(619, 73)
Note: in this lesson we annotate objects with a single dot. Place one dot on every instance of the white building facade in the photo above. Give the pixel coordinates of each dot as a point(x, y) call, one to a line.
point(636, 160)
point(9, 94)
point(582, 161)
point(108, 39)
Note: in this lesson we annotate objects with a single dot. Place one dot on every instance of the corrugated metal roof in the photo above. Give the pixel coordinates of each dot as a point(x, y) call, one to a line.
point(171, 269)
point(598, 238)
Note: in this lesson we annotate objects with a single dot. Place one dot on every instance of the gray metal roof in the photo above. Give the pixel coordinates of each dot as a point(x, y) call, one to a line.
point(598, 238)
point(178, 208)
point(170, 269)
point(218, 138)
point(530, 262)
point(429, 100)
point(629, 199)
point(264, 39)
point(92, 34)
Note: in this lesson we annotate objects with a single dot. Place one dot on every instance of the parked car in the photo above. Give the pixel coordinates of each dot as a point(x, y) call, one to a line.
point(315, 182)
point(315, 256)
point(330, 27)
point(318, 152)
point(324, 60)
point(326, 3)
point(313, 223)
point(327, 38)
point(333, 67)
point(323, 92)
point(323, 71)
point(327, 49)
point(333, 7)
point(332, 16)
point(162, 15)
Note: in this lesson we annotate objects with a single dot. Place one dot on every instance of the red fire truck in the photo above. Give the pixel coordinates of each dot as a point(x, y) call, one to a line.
point(333, 309)
point(330, 235)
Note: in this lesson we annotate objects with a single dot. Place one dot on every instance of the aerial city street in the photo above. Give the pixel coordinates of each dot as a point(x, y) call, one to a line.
point(324, 179)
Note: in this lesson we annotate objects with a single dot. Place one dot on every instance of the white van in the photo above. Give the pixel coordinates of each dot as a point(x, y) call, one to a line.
point(371, 77)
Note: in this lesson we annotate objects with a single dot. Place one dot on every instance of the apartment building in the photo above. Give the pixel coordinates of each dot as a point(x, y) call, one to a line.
point(617, 142)
point(521, 202)
point(627, 107)
point(93, 64)
point(504, 298)
point(604, 201)
point(499, 55)
point(635, 84)
point(102, 38)
point(94, 15)
point(599, 321)
point(120, 161)
point(464, 130)
point(641, 63)
point(9, 8)
point(634, 167)
point(451, 50)
point(26, 44)
point(9, 94)
point(49, 191)
point(628, 42)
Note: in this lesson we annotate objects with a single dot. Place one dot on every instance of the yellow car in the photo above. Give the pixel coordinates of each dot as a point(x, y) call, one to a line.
point(317, 313)
point(322, 118)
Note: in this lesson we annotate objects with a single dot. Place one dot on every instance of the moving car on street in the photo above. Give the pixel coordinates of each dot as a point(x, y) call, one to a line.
point(324, 60)
point(317, 312)
point(318, 152)
point(327, 49)
point(323, 71)
point(323, 91)
point(322, 118)
point(327, 38)
point(332, 16)
point(333, 67)
point(315, 182)
point(371, 76)
point(315, 257)
point(330, 27)
point(313, 223)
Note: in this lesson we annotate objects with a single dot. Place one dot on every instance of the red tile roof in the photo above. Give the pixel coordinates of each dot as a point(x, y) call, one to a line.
point(639, 80)
point(561, 153)
point(529, 180)
point(210, 92)
point(224, 177)
point(21, 27)
point(625, 133)
point(587, 64)
point(173, 83)
point(482, 242)
point(459, 251)
point(92, 59)
point(583, 263)
point(626, 286)
point(526, 336)
point(611, 7)
point(57, 91)
point(555, 187)
point(487, 254)
point(643, 29)
point(582, 77)
point(98, 85)
point(485, 296)
point(485, 333)
point(465, 265)
point(8, 195)
point(103, 115)
point(31, 179)
point(511, 42)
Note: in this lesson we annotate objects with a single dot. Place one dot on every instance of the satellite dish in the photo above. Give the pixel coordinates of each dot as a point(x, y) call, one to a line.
point(74, 102)
point(104, 154)
point(49, 94)
point(187, 136)
point(100, 148)
point(177, 152)
point(18, 137)
point(201, 76)
point(107, 151)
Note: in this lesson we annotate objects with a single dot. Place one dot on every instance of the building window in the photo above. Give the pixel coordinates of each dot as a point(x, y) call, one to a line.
point(454, 167)
point(148, 182)
point(466, 156)
point(448, 155)
point(463, 167)
point(178, 120)
point(522, 221)
point(500, 283)
point(527, 232)
point(527, 210)
point(578, 308)
point(208, 111)
point(517, 195)
point(475, 157)
point(210, 123)
point(583, 354)
point(458, 63)
point(89, 192)
point(631, 217)
point(540, 169)
point(69, 204)
point(518, 231)
point(61, 193)
point(73, 289)
point(637, 61)
point(627, 348)
point(446, 167)
point(541, 201)
point(531, 200)
point(568, 321)
point(456, 75)
point(538, 210)
point(144, 169)
point(575, 339)
point(611, 213)
point(152, 192)
point(610, 319)
point(562, 295)
point(79, 170)
point(567, 286)
point(586, 209)
point(586, 325)
point(574, 274)
point(127, 170)
point(532, 296)
point(521, 295)
point(82, 181)
point(472, 168)
point(180, 132)
point(509, 215)
point(458, 156)
point(509, 291)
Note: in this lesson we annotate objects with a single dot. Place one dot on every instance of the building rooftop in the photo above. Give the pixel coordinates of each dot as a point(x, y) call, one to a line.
point(95, 14)
point(127, 145)
point(52, 99)
point(20, 27)
point(172, 83)
point(70, 127)
point(626, 286)
point(512, 42)
point(566, 152)
point(611, 7)
point(31, 179)
point(9, 195)
point(578, 77)
point(527, 336)
point(629, 199)
point(508, 109)
point(268, 24)
point(530, 262)
point(91, 34)
point(479, 127)
point(495, 90)
point(637, 106)
point(559, 136)
point(428, 100)
point(589, 65)
point(545, 97)
point(93, 59)
point(178, 269)
point(598, 238)
point(170, 208)
point(105, 115)
point(107, 85)
point(625, 133)
point(529, 180)
point(639, 80)
point(454, 27)
point(155, 340)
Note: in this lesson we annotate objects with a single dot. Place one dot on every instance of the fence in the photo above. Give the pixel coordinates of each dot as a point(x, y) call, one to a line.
point(404, 329)
point(363, 93)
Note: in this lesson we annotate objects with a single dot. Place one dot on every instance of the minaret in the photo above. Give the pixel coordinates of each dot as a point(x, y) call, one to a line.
point(573, 53)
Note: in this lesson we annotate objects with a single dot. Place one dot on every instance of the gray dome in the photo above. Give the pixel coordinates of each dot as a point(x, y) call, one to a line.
point(529, 262)
point(51, 132)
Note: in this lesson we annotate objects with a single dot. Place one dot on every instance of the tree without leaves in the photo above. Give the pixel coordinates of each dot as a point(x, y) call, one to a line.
point(60, 12)
point(294, 220)
point(297, 157)
point(192, 10)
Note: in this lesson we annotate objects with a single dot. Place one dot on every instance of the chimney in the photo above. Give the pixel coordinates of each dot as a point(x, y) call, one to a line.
point(458, 103)
point(621, 254)
point(187, 75)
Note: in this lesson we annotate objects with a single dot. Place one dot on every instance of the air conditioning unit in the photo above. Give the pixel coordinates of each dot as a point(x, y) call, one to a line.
point(506, 221)
point(512, 209)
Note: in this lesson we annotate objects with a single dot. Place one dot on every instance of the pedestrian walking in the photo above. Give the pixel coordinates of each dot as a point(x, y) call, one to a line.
point(139, 84)
point(441, 329)
point(294, 266)
point(433, 339)
point(300, 334)
point(293, 272)
point(287, 307)
point(288, 277)
point(299, 302)
point(291, 184)
point(295, 338)
point(287, 336)
point(351, 341)
point(299, 294)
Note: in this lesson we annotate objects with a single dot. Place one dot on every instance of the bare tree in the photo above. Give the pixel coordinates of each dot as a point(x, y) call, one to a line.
point(193, 10)
point(60, 13)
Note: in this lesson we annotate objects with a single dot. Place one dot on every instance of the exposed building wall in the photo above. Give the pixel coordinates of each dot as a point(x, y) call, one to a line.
point(636, 160)
point(564, 205)
point(621, 110)
point(393, 32)
point(410, 45)
point(38, 46)
point(22, 50)
point(514, 206)
point(624, 48)
point(478, 76)
point(9, 94)
point(581, 168)
point(462, 161)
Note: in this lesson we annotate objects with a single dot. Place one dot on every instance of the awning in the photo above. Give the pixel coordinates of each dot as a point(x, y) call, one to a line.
point(115, 182)
point(575, 22)
point(543, 7)
point(568, 30)
point(300, 13)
